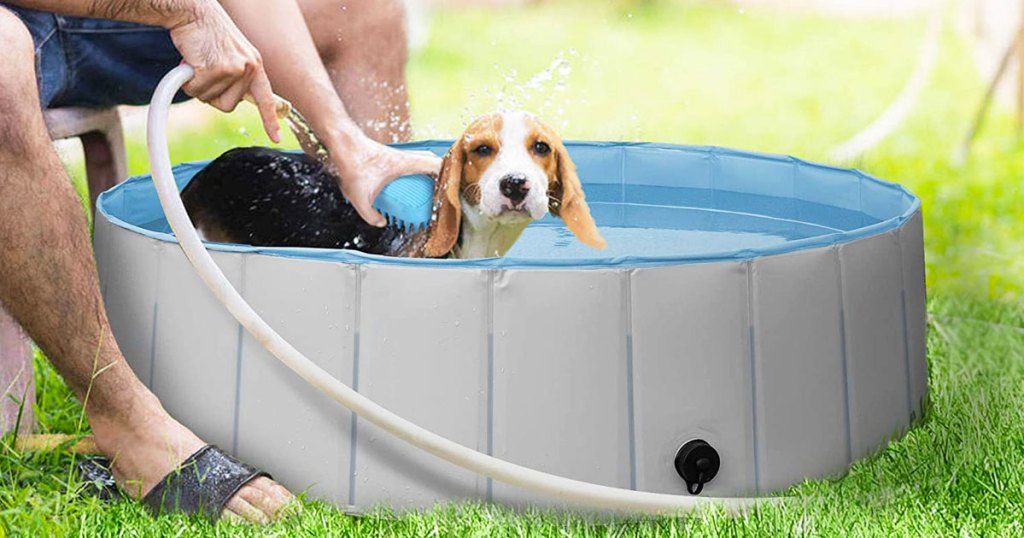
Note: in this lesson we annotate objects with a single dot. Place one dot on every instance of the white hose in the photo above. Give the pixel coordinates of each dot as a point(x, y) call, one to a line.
point(900, 108)
point(556, 487)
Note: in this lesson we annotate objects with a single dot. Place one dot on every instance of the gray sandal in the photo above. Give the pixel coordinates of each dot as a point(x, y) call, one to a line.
point(202, 484)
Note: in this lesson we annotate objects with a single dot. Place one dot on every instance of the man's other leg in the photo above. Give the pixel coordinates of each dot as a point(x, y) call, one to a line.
point(363, 46)
point(17, 389)
point(48, 282)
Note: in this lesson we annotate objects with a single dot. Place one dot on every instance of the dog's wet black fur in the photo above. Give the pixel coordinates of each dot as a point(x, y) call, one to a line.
point(265, 197)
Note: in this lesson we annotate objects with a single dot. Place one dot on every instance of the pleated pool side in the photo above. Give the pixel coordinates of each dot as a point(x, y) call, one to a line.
point(790, 365)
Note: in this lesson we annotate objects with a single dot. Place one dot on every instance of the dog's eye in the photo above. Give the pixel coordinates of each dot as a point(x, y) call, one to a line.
point(541, 148)
point(483, 150)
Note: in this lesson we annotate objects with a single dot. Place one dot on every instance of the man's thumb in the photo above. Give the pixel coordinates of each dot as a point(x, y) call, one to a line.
point(363, 203)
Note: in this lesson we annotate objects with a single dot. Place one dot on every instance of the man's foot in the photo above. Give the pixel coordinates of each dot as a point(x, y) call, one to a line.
point(145, 450)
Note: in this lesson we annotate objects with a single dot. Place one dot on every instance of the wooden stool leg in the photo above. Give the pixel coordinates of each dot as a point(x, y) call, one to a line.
point(17, 386)
point(105, 162)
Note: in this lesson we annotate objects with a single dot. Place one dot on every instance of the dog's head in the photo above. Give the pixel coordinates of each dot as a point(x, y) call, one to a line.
point(506, 170)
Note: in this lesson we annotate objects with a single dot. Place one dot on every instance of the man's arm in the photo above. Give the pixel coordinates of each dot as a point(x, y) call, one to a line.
point(166, 13)
point(227, 66)
point(279, 31)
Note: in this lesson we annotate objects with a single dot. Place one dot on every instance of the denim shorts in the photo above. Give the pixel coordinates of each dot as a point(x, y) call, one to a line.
point(95, 62)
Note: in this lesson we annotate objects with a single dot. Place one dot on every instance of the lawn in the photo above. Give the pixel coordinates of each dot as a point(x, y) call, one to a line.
point(693, 73)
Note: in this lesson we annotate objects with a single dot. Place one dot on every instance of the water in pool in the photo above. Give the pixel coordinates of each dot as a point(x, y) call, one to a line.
point(646, 230)
point(557, 242)
point(694, 231)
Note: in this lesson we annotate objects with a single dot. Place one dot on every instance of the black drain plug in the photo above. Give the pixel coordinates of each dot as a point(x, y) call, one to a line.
point(697, 463)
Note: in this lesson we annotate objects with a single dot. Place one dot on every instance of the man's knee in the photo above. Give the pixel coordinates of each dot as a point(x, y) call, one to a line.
point(387, 16)
point(377, 28)
point(18, 109)
point(16, 39)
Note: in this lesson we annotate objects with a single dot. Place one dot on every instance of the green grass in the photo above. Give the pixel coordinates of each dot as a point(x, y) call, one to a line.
point(693, 73)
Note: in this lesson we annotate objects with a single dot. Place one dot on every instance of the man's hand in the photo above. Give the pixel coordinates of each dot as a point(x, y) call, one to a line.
point(365, 167)
point(278, 29)
point(227, 65)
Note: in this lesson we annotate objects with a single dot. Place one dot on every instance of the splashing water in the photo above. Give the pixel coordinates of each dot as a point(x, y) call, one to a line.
point(542, 91)
point(554, 78)
point(394, 120)
point(307, 138)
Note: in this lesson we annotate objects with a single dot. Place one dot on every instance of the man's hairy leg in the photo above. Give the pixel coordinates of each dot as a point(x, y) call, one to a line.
point(49, 284)
point(363, 46)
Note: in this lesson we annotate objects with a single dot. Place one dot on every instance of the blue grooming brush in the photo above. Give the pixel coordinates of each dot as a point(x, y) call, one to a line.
point(407, 201)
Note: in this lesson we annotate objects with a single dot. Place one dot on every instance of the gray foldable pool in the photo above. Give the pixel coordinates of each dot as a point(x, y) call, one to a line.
point(768, 309)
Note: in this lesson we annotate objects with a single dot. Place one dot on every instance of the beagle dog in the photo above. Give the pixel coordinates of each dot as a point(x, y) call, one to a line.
point(507, 170)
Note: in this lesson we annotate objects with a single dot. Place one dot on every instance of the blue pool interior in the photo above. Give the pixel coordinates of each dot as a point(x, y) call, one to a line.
point(654, 203)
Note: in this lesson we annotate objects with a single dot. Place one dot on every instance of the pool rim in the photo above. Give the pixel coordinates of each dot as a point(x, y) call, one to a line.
point(354, 257)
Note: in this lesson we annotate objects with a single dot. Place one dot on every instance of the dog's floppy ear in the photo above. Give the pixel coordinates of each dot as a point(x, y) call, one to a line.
point(568, 202)
point(446, 219)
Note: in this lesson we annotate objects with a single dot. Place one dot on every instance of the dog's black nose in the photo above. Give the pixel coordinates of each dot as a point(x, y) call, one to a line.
point(514, 187)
